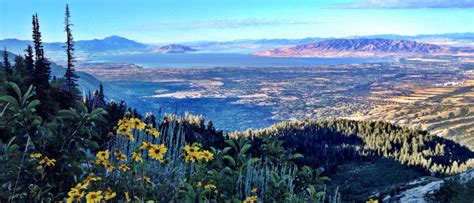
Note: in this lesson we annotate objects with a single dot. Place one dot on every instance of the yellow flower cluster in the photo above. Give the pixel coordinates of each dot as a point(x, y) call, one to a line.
point(103, 158)
point(103, 155)
point(194, 153)
point(137, 156)
point(123, 167)
point(119, 155)
point(94, 197)
point(45, 161)
point(36, 155)
point(125, 126)
point(210, 187)
point(152, 131)
point(372, 201)
point(157, 152)
point(78, 192)
point(250, 199)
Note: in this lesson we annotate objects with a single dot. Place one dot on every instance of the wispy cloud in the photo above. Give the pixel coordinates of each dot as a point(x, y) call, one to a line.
point(221, 24)
point(407, 4)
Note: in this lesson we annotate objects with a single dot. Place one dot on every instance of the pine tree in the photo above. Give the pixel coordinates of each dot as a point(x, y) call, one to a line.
point(29, 66)
point(70, 75)
point(6, 63)
point(42, 73)
point(42, 65)
point(19, 66)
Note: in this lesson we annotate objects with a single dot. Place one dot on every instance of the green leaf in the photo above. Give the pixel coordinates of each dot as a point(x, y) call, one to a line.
point(13, 148)
point(229, 159)
point(226, 149)
point(33, 104)
point(98, 112)
point(91, 144)
point(320, 194)
point(82, 108)
point(231, 143)
point(11, 100)
point(15, 88)
point(245, 148)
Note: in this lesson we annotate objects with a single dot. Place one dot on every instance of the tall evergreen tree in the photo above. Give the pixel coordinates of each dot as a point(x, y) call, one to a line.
point(19, 65)
point(70, 74)
point(42, 65)
point(6, 63)
point(42, 73)
point(29, 66)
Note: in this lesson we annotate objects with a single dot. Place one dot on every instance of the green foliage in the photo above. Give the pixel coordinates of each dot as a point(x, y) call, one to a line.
point(333, 142)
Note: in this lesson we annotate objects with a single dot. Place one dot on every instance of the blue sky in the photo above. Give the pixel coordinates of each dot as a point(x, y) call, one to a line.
point(161, 21)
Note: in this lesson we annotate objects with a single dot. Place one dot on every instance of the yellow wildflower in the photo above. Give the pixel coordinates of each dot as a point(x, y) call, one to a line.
point(254, 190)
point(147, 179)
point(210, 186)
point(127, 197)
point(122, 122)
point(108, 165)
point(94, 196)
point(129, 136)
point(137, 157)
point(74, 195)
point(372, 201)
point(109, 194)
point(123, 129)
point(98, 161)
point(207, 155)
point(153, 131)
point(199, 184)
point(124, 167)
point(250, 199)
point(92, 178)
point(137, 123)
point(120, 156)
point(191, 157)
point(191, 149)
point(81, 186)
point(47, 162)
point(145, 146)
point(36, 155)
point(103, 155)
point(157, 152)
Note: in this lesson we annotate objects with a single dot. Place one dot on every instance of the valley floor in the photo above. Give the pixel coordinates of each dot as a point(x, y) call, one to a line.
point(433, 95)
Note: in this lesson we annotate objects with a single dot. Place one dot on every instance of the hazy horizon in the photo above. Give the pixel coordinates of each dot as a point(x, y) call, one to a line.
point(243, 39)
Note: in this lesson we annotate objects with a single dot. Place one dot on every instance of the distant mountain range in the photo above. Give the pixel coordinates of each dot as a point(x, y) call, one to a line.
point(112, 43)
point(121, 44)
point(175, 48)
point(362, 47)
point(86, 81)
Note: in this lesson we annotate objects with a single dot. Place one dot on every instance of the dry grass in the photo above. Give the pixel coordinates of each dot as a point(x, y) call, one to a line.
point(445, 111)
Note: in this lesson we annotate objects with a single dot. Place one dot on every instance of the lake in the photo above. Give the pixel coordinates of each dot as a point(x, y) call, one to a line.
point(207, 60)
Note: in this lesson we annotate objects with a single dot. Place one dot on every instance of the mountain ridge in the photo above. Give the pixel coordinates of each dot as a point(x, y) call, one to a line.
point(175, 48)
point(111, 43)
point(362, 47)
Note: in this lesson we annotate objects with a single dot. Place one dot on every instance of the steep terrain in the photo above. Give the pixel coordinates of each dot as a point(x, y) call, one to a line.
point(360, 48)
point(444, 109)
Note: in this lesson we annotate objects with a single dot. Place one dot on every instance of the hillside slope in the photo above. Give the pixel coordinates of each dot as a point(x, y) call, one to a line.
point(359, 48)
